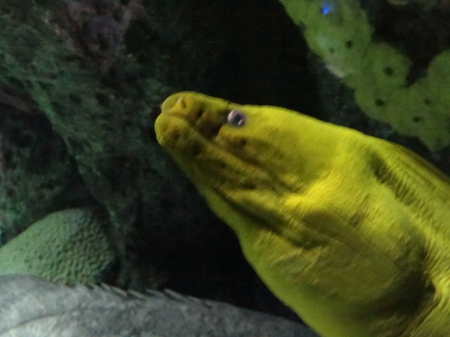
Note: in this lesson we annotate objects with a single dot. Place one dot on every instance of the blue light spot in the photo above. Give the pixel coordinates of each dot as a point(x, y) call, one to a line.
point(327, 7)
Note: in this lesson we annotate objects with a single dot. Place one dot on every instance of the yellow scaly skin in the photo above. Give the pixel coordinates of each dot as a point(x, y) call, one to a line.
point(350, 231)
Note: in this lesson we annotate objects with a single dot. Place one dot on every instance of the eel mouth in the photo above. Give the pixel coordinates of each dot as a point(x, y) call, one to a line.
point(190, 129)
point(193, 115)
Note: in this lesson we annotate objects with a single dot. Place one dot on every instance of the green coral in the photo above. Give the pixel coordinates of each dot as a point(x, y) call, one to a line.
point(340, 33)
point(68, 246)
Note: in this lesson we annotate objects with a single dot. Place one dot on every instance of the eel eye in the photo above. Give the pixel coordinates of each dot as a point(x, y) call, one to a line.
point(237, 118)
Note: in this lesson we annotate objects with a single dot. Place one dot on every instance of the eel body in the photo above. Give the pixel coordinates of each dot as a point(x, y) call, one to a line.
point(350, 231)
point(34, 307)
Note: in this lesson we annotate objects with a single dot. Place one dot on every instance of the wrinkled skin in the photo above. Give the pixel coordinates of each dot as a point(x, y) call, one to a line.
point(350, 231)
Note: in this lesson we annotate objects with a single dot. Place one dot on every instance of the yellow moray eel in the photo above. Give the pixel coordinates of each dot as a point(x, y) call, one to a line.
point(350, 231)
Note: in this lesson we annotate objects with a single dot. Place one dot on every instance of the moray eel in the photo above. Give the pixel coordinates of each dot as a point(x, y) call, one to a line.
point(350, 231)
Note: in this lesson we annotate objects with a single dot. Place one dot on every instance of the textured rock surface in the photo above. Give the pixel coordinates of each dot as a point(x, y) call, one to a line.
point(37, 175)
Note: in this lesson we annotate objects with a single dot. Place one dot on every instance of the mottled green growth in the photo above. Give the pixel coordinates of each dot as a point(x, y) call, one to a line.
point(35, 165)
point(340, 33)
point(337, 31)
point(67, 246)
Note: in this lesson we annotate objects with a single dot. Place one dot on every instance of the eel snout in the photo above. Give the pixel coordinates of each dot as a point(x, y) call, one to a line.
point(182, 113)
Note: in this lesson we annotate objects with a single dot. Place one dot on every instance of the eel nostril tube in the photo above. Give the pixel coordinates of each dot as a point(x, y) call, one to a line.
point(181, 102)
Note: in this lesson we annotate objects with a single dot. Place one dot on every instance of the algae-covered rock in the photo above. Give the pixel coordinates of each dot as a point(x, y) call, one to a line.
point(68, 246)
point(34, 166)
